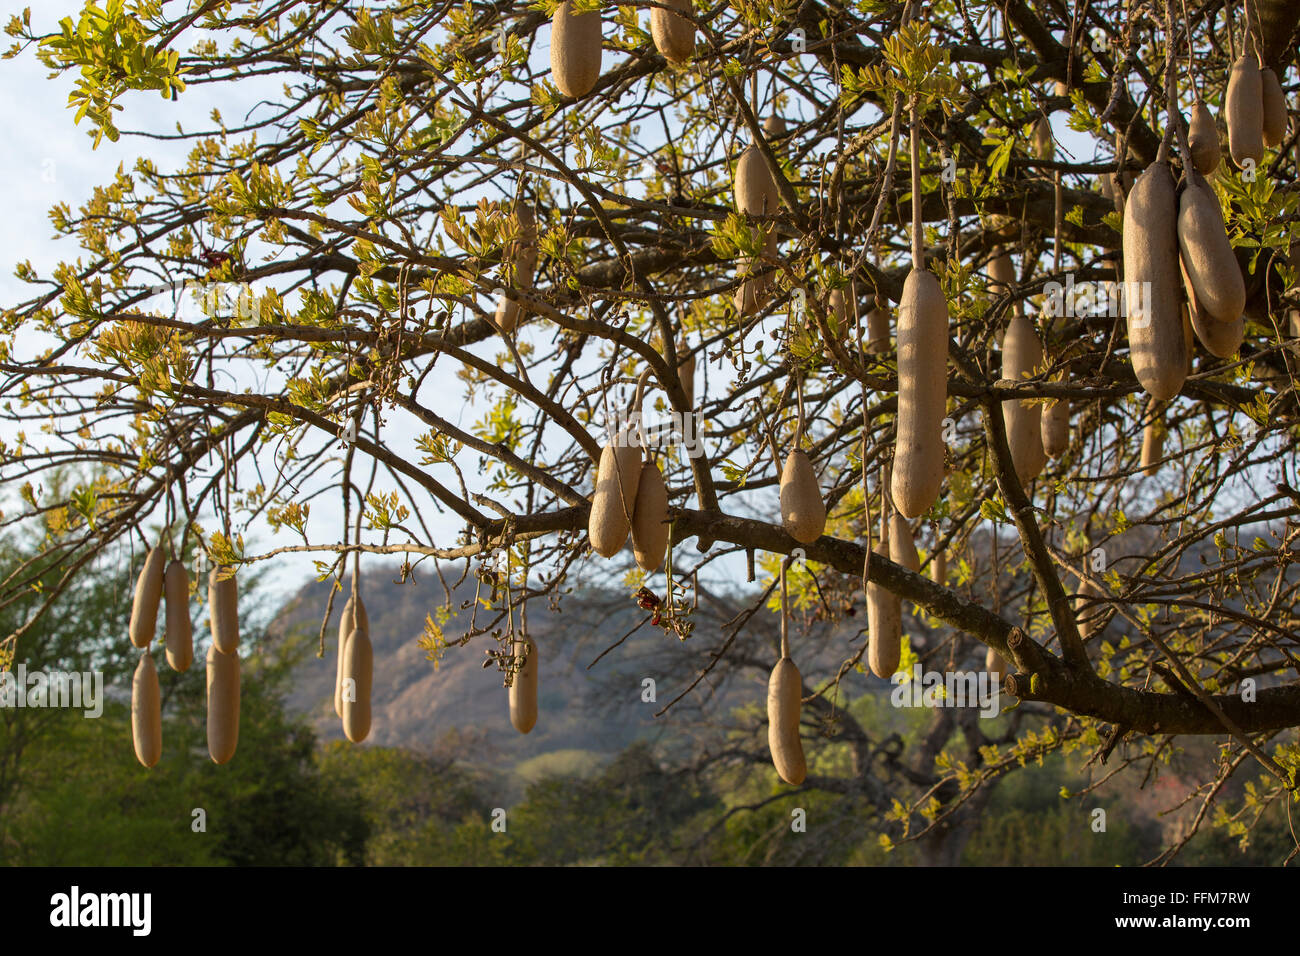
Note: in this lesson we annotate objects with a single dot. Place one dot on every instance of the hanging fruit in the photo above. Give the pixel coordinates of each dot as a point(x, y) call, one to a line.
point(178, 636)
point(148, 593)
point(1152, 303)
point(522, 253)
point(223, 609)
point(673, 34)
point(1022, 353)
point(576, 42)
point(1243, 110)
point(523, 687)
point(1203, 139)
point(650, 518)
point(146, 712)
point(1207, 254)
point(223, 704)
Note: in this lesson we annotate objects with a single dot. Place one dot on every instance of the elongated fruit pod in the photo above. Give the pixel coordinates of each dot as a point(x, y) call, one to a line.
point(673, 34)
point(223, 704)
point(148, 592)
point(922, 394)
point(179, 634)
point(884, 624)
point(1206, 253)
point(1273, 103)
point(576, 42)
point(1203, 140)
point(1021, 354)
point(1155, 326)
point(650, 519)
point(686, 372)
point(994, 664)
point(939, 567)
point(1044, 147)
point(1088, 617)
point(1243, 111)
point(748, 297)
point(615, 495)
point(1153, 446)
point(347, 625)
point(146, 712)
point(223, 609)
point(358, 676)
point(902, 546)
point(523, 689)
point(774, 126)
point(803, 512)
point(837, 312)
point(784, 692)
point(522, 253)
point(756, 193)
point(1221, 339)
point(1056, 427)
point(1002, 272)
point(878, 330)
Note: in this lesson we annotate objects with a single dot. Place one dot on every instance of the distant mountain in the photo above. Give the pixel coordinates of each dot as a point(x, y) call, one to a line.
point(585, 716)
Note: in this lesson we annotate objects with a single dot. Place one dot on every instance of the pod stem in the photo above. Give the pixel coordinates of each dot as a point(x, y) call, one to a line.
point(918, 252)
point(785, 636)
point(799, 427)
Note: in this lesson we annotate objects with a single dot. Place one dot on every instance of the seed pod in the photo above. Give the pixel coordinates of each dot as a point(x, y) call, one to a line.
point(522, 252)
point(650, 519)
point(1003, 274)
point(774, 127)
point(223, 704)
point(748, 297)
point(884, 624)
point(148, 592)
point(347, 624)
point(1044, 148)
point(1056, 427)
point(1022, 353)
point(523, 689)
point(615, 495)
point(922, 394)
point(146, 712)
point(837, 312)
point(1221, 339)
point(223, 609)
point(1153, 446)
point(575, 50)
point(994, 664)
point(178, 637)
point(1273, 104)
point(1243, 110)
point(878, 330)
point(1203, 140)
point(1293, 320)
point(1155, 327)
point(784, 691)
point(674, 35)
point(1089, 617)
point(902, 546)
point(803, 512)
point(359, 668)
point(686, 372)
point(755, 188)
point(1206, 253)
point(939, 567)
